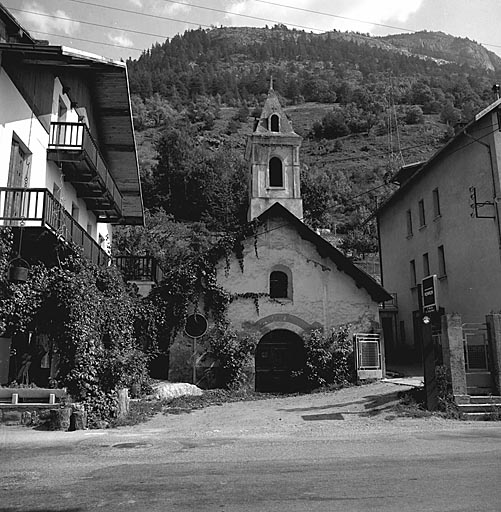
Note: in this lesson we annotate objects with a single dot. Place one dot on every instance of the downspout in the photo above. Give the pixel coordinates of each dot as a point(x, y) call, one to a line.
point(494, 186)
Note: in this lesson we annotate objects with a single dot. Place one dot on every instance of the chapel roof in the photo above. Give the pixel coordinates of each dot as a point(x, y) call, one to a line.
point(326, 250)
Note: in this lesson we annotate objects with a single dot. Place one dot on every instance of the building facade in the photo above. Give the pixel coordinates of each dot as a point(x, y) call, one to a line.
point(68, 161)
point(444, 221)
point(292, 280)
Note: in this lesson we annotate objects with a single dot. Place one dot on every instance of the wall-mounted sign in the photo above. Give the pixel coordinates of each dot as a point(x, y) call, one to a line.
point(196, 325)
point(429, 294)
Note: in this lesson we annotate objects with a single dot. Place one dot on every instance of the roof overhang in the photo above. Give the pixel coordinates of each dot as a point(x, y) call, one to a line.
point(327, 250)
point(14, 29)
point(111, 97)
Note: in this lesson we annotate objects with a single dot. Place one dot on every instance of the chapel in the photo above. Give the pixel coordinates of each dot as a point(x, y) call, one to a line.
point(302, 282)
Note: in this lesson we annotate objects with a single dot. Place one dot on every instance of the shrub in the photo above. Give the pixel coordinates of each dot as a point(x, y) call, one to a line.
point(329, 358)
point(233, 352)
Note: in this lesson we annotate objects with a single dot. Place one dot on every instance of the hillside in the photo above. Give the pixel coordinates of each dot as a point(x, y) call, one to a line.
point(363, 105)
point(448, 48)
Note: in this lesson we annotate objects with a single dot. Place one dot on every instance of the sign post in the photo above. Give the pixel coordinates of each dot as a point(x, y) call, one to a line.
point(429, 301)
point(195, 327)
point(429, 291)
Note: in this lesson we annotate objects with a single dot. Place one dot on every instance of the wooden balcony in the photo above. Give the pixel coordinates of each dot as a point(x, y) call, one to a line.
point(139, 268)
point(40, 213)
point(72, 145)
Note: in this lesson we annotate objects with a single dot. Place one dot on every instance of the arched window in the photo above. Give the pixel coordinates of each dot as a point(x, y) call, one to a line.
point(276, 175)
point(279, 285)
point(274, 123)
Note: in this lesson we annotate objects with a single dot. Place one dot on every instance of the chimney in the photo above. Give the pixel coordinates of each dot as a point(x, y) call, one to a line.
point(495, 90)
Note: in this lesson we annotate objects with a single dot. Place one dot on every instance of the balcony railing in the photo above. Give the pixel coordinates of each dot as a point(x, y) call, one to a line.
point(139, 268)
point(72, 143)
point(391, 304)
point(37, 207)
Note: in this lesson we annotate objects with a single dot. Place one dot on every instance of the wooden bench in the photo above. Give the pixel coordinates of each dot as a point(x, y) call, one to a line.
point(30, 396)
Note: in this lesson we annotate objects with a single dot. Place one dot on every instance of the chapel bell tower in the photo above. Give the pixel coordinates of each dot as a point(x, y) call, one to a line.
point(273, 153)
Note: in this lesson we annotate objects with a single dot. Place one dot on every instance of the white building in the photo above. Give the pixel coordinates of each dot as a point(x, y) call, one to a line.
point(68, 162)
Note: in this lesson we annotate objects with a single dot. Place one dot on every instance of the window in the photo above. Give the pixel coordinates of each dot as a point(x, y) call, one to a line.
point(441, 261)
point(426, 265)
point(409, 223)
point(276, 175)
point(436, 203)
point(422, 218)
point(279, 284)
point(413, 273)
point(15, 202)
point(274, 123)
point(18, 165)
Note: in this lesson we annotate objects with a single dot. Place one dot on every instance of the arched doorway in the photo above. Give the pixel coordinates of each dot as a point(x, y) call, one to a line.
point(279, 354)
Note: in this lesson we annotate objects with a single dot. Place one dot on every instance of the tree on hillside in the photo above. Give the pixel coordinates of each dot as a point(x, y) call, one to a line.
point(197, 184)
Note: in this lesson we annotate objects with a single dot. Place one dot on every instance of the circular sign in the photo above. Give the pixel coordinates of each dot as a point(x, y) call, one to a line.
point(196, 325)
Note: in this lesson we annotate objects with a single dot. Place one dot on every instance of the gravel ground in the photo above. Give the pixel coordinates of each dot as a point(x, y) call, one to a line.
point(343, 414)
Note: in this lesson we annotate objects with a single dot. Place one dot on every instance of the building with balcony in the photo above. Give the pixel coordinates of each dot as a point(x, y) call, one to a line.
point(68, 162)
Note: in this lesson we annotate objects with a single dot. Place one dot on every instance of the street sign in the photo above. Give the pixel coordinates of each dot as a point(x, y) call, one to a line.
point(196, 325)
point(429, 294)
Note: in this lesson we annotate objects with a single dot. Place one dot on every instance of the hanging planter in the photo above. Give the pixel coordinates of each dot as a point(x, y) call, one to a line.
point(18, 270)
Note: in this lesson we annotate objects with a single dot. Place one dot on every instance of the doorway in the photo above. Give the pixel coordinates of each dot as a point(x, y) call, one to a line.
point(279, 355)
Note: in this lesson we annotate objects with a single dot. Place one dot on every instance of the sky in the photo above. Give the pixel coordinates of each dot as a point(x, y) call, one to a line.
point(120, 29)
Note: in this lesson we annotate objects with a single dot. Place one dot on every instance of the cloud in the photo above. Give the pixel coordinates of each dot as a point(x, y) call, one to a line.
point(137, 3)
point(59, 22)
point(121, 40)
point(311, 18)
point(396, 11)
point(168, 9)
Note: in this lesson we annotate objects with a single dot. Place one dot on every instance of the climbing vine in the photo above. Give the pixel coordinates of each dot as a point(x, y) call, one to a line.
point(233, 352)
point(186, 285)
point(89, 315)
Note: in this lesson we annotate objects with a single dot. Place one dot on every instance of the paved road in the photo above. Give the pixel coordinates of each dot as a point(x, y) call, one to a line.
point(266, 456)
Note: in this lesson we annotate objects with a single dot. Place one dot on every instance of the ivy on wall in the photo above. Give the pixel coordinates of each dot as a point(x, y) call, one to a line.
point(90, 315)
point(187, 286)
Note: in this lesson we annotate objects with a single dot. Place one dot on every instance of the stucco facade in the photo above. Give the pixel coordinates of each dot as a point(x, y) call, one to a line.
point(321, 297)
point(455, 241)
point(18, 122)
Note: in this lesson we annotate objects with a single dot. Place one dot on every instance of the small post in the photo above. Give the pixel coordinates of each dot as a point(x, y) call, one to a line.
point(430, 380)
point(194, 365)
point(494, 332)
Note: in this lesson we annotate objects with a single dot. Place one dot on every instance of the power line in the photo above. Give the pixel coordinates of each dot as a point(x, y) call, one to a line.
point(89, 23)
point(333, 15)
point(177, 20)
point(88, 40)
point(248, 16)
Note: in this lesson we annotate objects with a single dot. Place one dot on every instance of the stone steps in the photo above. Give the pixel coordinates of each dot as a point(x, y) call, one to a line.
point(479, 407)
